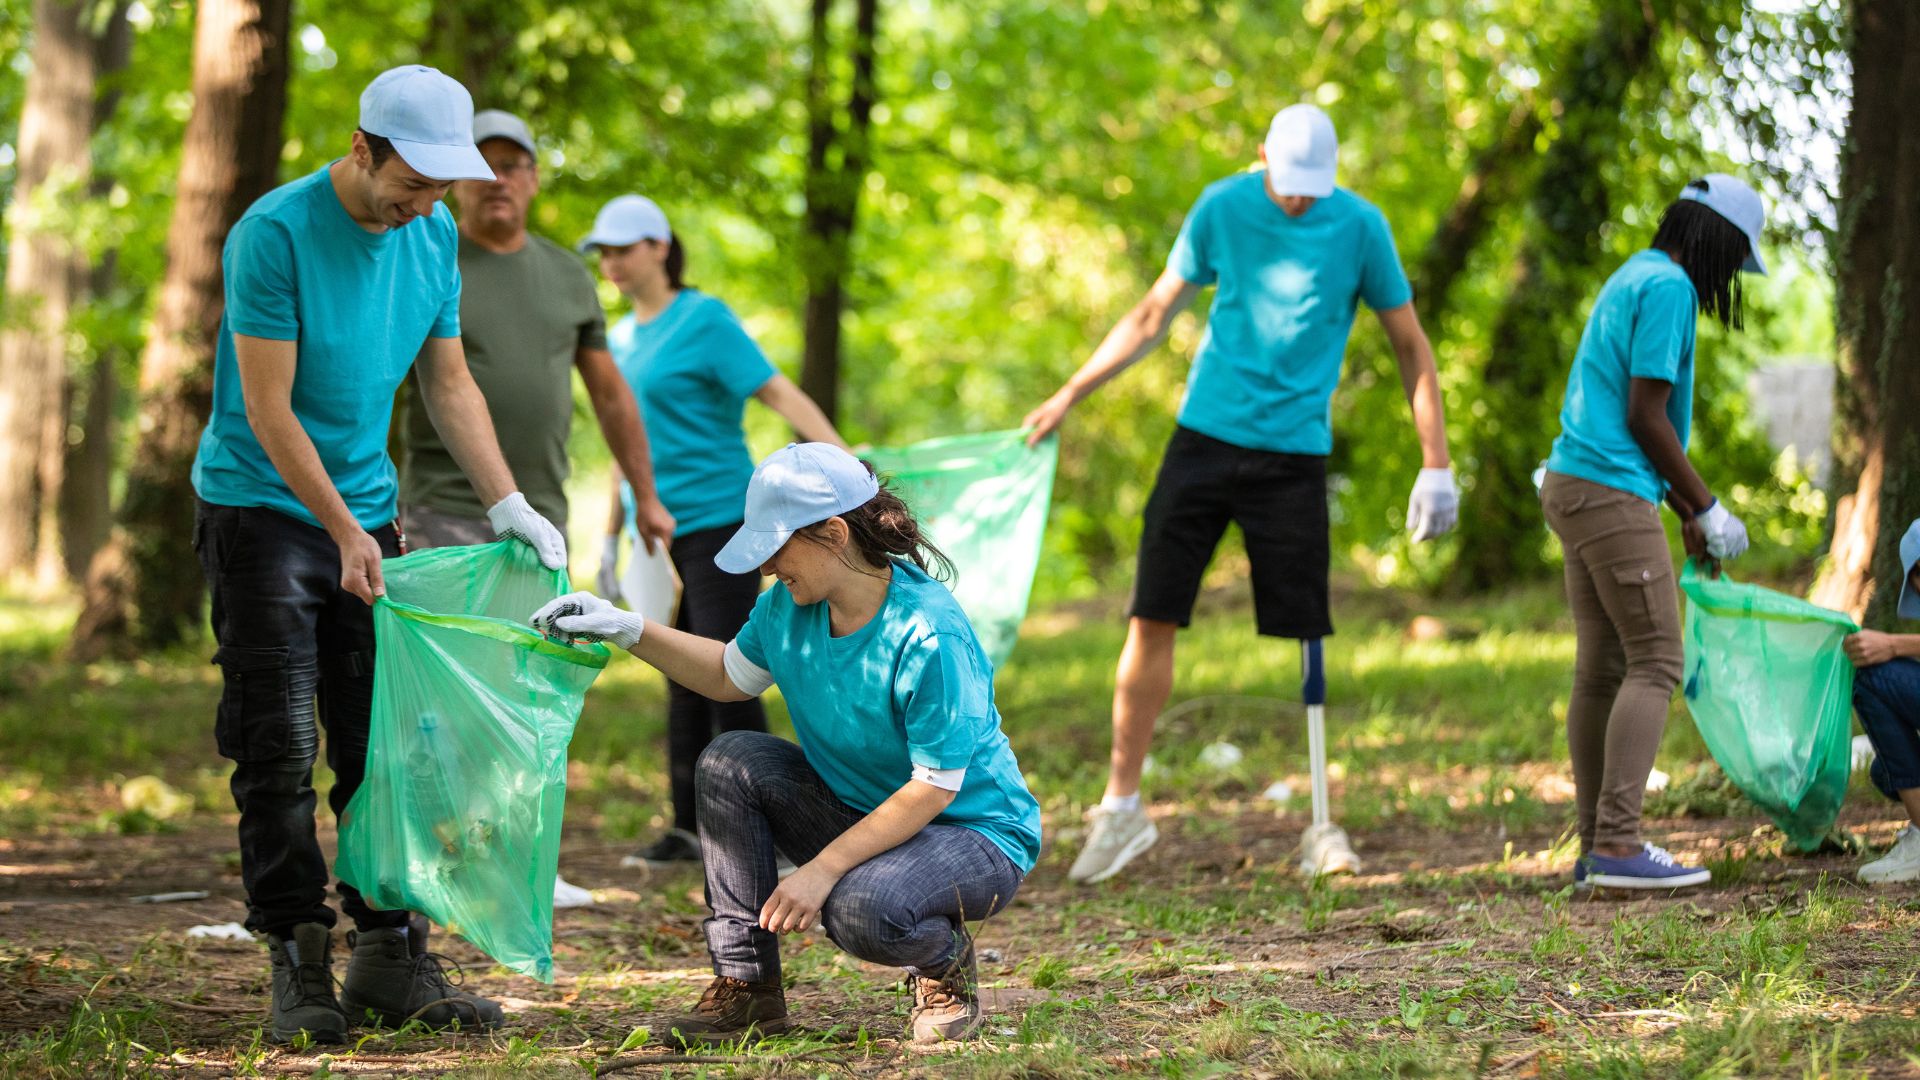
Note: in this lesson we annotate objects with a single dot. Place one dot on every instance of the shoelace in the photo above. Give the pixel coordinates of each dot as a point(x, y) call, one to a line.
point(1658, 855)
point(720, 996)
point(312, 984)
point(429, 964)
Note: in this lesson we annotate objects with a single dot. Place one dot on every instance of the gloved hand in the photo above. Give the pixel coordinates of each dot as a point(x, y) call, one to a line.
point(512, 516)
point(1726, 536)
point(1434, 507)
point(608, 579)
point(583, 616)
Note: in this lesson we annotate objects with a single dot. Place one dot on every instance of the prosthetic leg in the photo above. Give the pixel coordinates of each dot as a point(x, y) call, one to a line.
point(1324, 848)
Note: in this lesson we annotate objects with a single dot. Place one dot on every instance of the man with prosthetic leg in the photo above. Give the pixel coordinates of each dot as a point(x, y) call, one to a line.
point(1292, 257)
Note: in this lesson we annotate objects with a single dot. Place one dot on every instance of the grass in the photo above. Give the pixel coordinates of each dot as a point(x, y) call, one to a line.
point(1461, 951)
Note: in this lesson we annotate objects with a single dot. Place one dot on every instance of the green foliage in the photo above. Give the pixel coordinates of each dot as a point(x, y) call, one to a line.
point(1031, 163)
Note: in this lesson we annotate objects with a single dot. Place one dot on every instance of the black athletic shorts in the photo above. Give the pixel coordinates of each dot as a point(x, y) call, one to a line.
point(1280, 504)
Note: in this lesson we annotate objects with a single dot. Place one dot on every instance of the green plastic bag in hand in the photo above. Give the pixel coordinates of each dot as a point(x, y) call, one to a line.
point(1771, 691)
point(983, 500)
point(459, 815)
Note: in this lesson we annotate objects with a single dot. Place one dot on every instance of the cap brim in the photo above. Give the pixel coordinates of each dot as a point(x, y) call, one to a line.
point(594, 240)
point(437, 162)
point(749, 549)
point(1312, 183)
point(1754, 264)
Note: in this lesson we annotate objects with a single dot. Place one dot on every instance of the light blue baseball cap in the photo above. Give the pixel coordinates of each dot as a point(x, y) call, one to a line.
point(1909, 606)
point(627, 219)
point(801, 485)
point(1302, 152)
point(1739, 204)
point(428, 116)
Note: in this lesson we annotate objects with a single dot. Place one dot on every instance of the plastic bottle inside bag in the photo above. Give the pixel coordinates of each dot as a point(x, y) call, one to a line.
point(428, 778)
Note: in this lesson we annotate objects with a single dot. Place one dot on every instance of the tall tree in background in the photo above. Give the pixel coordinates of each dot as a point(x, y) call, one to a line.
point(46, 278)
point(838, 156)
point(1534, 337)
point(472, 40)
point(83, 512)
point(1877, 315)
point(144, 589)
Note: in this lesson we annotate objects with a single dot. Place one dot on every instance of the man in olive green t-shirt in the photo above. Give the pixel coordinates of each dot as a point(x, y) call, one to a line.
point(529, 315)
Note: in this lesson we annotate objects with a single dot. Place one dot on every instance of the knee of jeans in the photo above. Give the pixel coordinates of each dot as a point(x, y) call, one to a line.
point(862, 922)
point(733, 757)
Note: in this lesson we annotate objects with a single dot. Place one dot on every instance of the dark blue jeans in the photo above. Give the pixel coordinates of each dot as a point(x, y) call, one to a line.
point(1887, 697)
point(901, 908)
point(294, 647)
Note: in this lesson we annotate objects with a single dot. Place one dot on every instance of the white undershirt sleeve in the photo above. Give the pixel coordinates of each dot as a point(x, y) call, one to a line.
point(944, 779)
point(751, 679)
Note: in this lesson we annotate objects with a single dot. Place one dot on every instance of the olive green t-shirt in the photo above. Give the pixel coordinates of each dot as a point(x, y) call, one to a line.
point(522, 318)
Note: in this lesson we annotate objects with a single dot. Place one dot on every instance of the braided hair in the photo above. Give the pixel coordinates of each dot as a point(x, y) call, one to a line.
point(1711, 250)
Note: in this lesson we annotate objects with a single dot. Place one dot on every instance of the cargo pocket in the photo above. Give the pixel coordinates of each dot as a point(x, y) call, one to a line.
point(253, 723)
point(1646, 596)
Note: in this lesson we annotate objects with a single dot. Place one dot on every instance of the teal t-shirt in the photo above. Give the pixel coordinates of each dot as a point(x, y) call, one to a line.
point(693, 367)
point(911, 687)
point(360, 305)
point(1642, 327)
point(1287, 292)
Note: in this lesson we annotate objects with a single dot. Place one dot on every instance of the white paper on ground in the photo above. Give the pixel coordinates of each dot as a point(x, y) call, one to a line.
point(568, 895)
point(650, 586)
point(1862, 752)
point(232, 931)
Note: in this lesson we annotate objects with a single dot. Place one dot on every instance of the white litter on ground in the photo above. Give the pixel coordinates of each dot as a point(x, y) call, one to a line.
point(568, 895)
point(1278, 791)
point(1862, 752)
point(1658, 781)
point(1221, 755)
point(231, 931)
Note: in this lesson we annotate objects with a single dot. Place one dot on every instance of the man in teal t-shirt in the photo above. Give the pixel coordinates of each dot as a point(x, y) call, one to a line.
point(1292, 257)
point(337, 285)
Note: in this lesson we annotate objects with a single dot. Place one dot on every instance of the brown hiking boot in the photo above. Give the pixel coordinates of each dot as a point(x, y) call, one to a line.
point(948, 1007)
point(732, 1010)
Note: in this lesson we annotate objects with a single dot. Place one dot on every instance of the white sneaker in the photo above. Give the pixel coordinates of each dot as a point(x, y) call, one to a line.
point(1900, 864)
point(1325, 849)
point(1114, 840)
point(568, 895)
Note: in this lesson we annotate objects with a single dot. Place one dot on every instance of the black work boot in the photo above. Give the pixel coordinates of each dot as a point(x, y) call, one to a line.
point(947, 1007)
point(303, 987)
point(731, 1010)
point(392, 978)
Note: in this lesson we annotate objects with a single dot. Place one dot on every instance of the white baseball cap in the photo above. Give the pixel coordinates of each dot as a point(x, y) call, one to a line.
point(801, 485)
point(1909, 606)
point(500, 124)
point(628, 219)
point(429, 119)
point(1301, 152)
point(1727, 196)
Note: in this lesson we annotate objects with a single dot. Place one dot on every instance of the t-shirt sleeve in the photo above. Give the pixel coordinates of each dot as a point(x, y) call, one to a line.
point(947, 702)
point(752, 638)
point(1190, 257)
point(1663, 324)
point(447, 323)
point(738, 363)
point(1383, 281)
point(263, 294)
point(593, 327)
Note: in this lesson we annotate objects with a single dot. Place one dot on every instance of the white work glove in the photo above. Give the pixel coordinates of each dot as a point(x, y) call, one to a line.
point(513, 517)
point(583, 616)
point(1434, 507)
point(1726, 536)
point(608, 579)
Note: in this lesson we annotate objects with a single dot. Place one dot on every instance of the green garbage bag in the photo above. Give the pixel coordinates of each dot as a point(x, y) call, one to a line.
point(982, 499)
point(458, 817)
point(1771, 691)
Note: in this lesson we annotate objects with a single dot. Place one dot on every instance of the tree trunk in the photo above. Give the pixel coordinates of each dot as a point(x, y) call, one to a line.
point(472, 40)
point(45, 276)
point(1877, 316)
point(1493, 184)
point(1537, 330)
point(85, 508)
point(837, 163)
point(144, 589)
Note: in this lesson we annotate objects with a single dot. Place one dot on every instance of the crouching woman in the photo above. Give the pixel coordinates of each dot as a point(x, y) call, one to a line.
point(902, 805)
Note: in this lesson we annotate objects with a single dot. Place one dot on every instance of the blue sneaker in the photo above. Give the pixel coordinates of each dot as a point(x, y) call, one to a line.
point(1652, 868)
